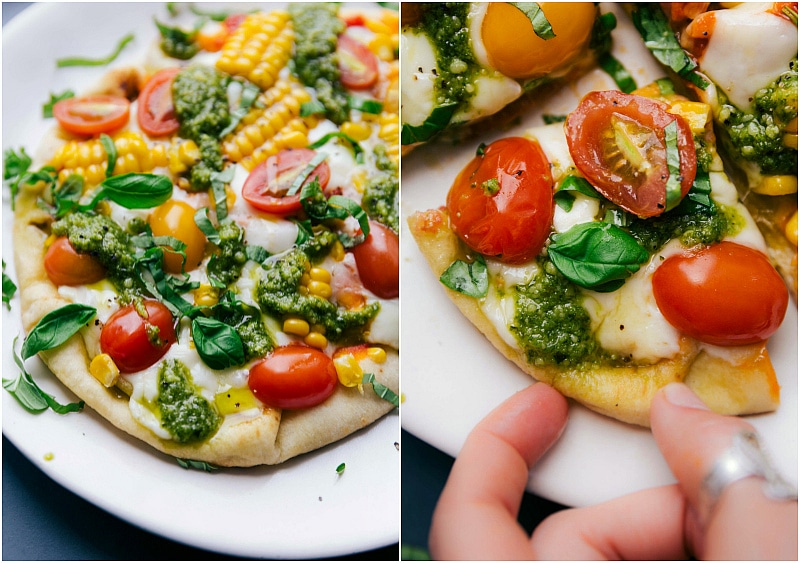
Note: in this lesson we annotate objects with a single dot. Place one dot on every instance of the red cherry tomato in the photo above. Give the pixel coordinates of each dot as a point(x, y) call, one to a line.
point(66, 266)
point(156, 112)
point(501, 204)
point(726, 294)
point(378, 261)
point(617, 142)
point(358, 66)
point(125, 336)
point(93, 114)
point(293, 377)
point(267, 184)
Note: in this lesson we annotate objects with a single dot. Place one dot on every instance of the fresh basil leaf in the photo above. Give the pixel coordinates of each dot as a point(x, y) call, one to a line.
point(356, 148)
point(541, 27)
point(601, 39)
point(177, 43)
point(256, 253)
point(471, 279)
point(654, 28)
point(596, 255)
point(47, 109)
point(194, 464)
point(623, 79)
point(67, 196)
point(364, 105)
point(218, 344)
point(9, 288)
point(15, 167)
point(673, 186)
point(381, 390)
point(133, 191)
point(206, 226)
point(218, 182)
point(348, 207)
point(433, 125)
point(311, 108)
point(665, 86)
point(564, 195)
point(700, 193)
point(56, 327)
point(549, 118)
point(318, 159)
point(81, 61)
point(249, 96)
point(167, 289)
point(111, 153)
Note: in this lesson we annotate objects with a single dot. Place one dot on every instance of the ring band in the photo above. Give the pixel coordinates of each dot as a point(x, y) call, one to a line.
point(745, 458)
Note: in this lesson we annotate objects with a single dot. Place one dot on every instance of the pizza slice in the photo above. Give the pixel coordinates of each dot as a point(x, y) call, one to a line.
point(206, 250)
point(460, 67)
point(609, 256)
point(741, 59)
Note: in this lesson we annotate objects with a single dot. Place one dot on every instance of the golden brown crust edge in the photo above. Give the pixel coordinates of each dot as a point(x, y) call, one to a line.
point(271, 438)
point(745, 386)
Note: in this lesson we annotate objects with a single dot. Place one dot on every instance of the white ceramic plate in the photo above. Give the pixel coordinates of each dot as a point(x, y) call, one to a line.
point(301, 509)
point(452, 376)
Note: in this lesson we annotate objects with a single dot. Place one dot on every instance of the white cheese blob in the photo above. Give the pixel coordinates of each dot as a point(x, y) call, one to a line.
point(748, 49)
point(493, 91)
point(499, 305)
point(417, 96)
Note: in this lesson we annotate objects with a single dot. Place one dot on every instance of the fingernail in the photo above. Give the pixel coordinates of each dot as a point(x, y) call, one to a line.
point(680, 395)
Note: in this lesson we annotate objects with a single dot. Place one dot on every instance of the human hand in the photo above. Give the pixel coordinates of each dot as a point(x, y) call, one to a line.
point(476, 514)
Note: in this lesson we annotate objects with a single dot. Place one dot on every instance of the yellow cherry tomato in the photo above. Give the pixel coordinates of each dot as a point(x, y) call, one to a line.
point(526, 55)
point(176, 219)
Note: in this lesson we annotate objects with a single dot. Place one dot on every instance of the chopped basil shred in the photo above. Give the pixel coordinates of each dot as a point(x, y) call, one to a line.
point(9, 288)
point(194, 464)
point(381, 390)
point(47, 109)
point(534, 12)
point(358, 152)
point(318, 159)
point(82, 61)
point(433, 124)
point(111, 153)
point(340, 468)
point(673, 186)
point(615, 69)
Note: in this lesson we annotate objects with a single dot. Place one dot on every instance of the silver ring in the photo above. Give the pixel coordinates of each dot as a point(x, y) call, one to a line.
point(745, 458)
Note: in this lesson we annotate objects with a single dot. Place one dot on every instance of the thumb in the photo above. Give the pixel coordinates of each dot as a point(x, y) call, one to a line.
point(744, 522)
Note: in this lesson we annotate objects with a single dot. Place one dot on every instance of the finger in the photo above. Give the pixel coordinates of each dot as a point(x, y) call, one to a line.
point(647, 525)
point(476, 516)
point(744, 523)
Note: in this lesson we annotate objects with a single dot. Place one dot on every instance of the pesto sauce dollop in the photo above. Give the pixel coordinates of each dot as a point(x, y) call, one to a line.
point(381, 193)
point(758, 135)
point(185, 414)
point(226, 266)
point(317, 28)
point(200, 97)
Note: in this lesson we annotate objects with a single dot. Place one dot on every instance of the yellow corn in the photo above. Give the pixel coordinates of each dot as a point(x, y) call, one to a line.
point(377, 355)
point(337, 251)
point(790, 140)
point(389, 132)
point(316, 340)
point(319, 274)
point(104, 370)
point(696, 114)
point(206, 295)
point(359, 179)
point(89, 159)
point(777, 185)
point(296, 326)
point(357, 130)
point(348, 370)
point(259, 48)
point(791, 229)
point(320, 289)
point(235, 400)
point(352, 300)
point(382, 46)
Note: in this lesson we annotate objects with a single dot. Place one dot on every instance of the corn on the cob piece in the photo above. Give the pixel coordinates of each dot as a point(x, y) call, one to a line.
point(89, 159)
point(389, 132)
point(259, 48)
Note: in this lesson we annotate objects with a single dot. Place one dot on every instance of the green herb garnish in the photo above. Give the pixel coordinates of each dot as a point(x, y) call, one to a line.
point(623, 79)
point(9, 288)
point(218, 344)
point(469, 278)
point(434, 124)
point(534, 12)
point(381, 390)
point(81, 61)
point(47, 109)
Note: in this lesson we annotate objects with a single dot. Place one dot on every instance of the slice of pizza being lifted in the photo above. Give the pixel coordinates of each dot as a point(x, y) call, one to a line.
point(609, 256)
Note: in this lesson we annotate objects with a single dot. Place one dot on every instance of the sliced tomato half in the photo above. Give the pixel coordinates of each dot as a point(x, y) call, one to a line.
point(156, 111)
point(358, 65)
point(268, 183)
point(618, 143)
point(92, 115)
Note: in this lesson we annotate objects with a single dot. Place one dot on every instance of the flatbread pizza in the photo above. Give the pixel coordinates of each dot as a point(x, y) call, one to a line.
point(574, 247)
point(205, 243)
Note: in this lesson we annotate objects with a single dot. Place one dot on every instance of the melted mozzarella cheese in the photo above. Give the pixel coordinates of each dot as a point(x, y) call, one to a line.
point(499, 305)
point(492, 92)
point(748, 49)
point(418, 96)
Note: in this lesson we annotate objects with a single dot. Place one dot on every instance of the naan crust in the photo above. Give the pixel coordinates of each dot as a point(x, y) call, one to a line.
point(272, 437)
point(745, 383)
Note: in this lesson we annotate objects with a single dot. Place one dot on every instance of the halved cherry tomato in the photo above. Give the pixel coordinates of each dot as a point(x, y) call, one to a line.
point(293, 377)
point(378, 261)
point(93, 114)
point(129, 339)
point(66, 266)
point(617, 142)
point(501, 203)
point(176, 219)
point(267, 184)
point(156, 112)
point(726, 294)
point(358, 66)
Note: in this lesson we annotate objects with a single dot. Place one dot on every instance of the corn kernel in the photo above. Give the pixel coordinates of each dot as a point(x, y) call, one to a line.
point(320, 289)
point(104, 370)
point(206, 296)
point(790, 140)
point(791, 229)
point(296, 326)
point(696, 114)
point(777, 185)
point(376, 354)
point(351, 300)
point(348, 370)
point(358, 131)
point(316, 340)
point(294, 140)
point(235, 400)
point(337, 251)
point(320, 274)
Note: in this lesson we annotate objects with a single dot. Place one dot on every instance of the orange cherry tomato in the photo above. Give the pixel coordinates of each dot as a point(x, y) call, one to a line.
point(267, 184)
point(378, 261)
point(176, 219)
point(617, 142)
point(66, 266)
point(128, 339)
point(501, 203)
point(92, 115)
point(156, 112)
point(358, 66)
point(293, 377)
point(726, 294)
